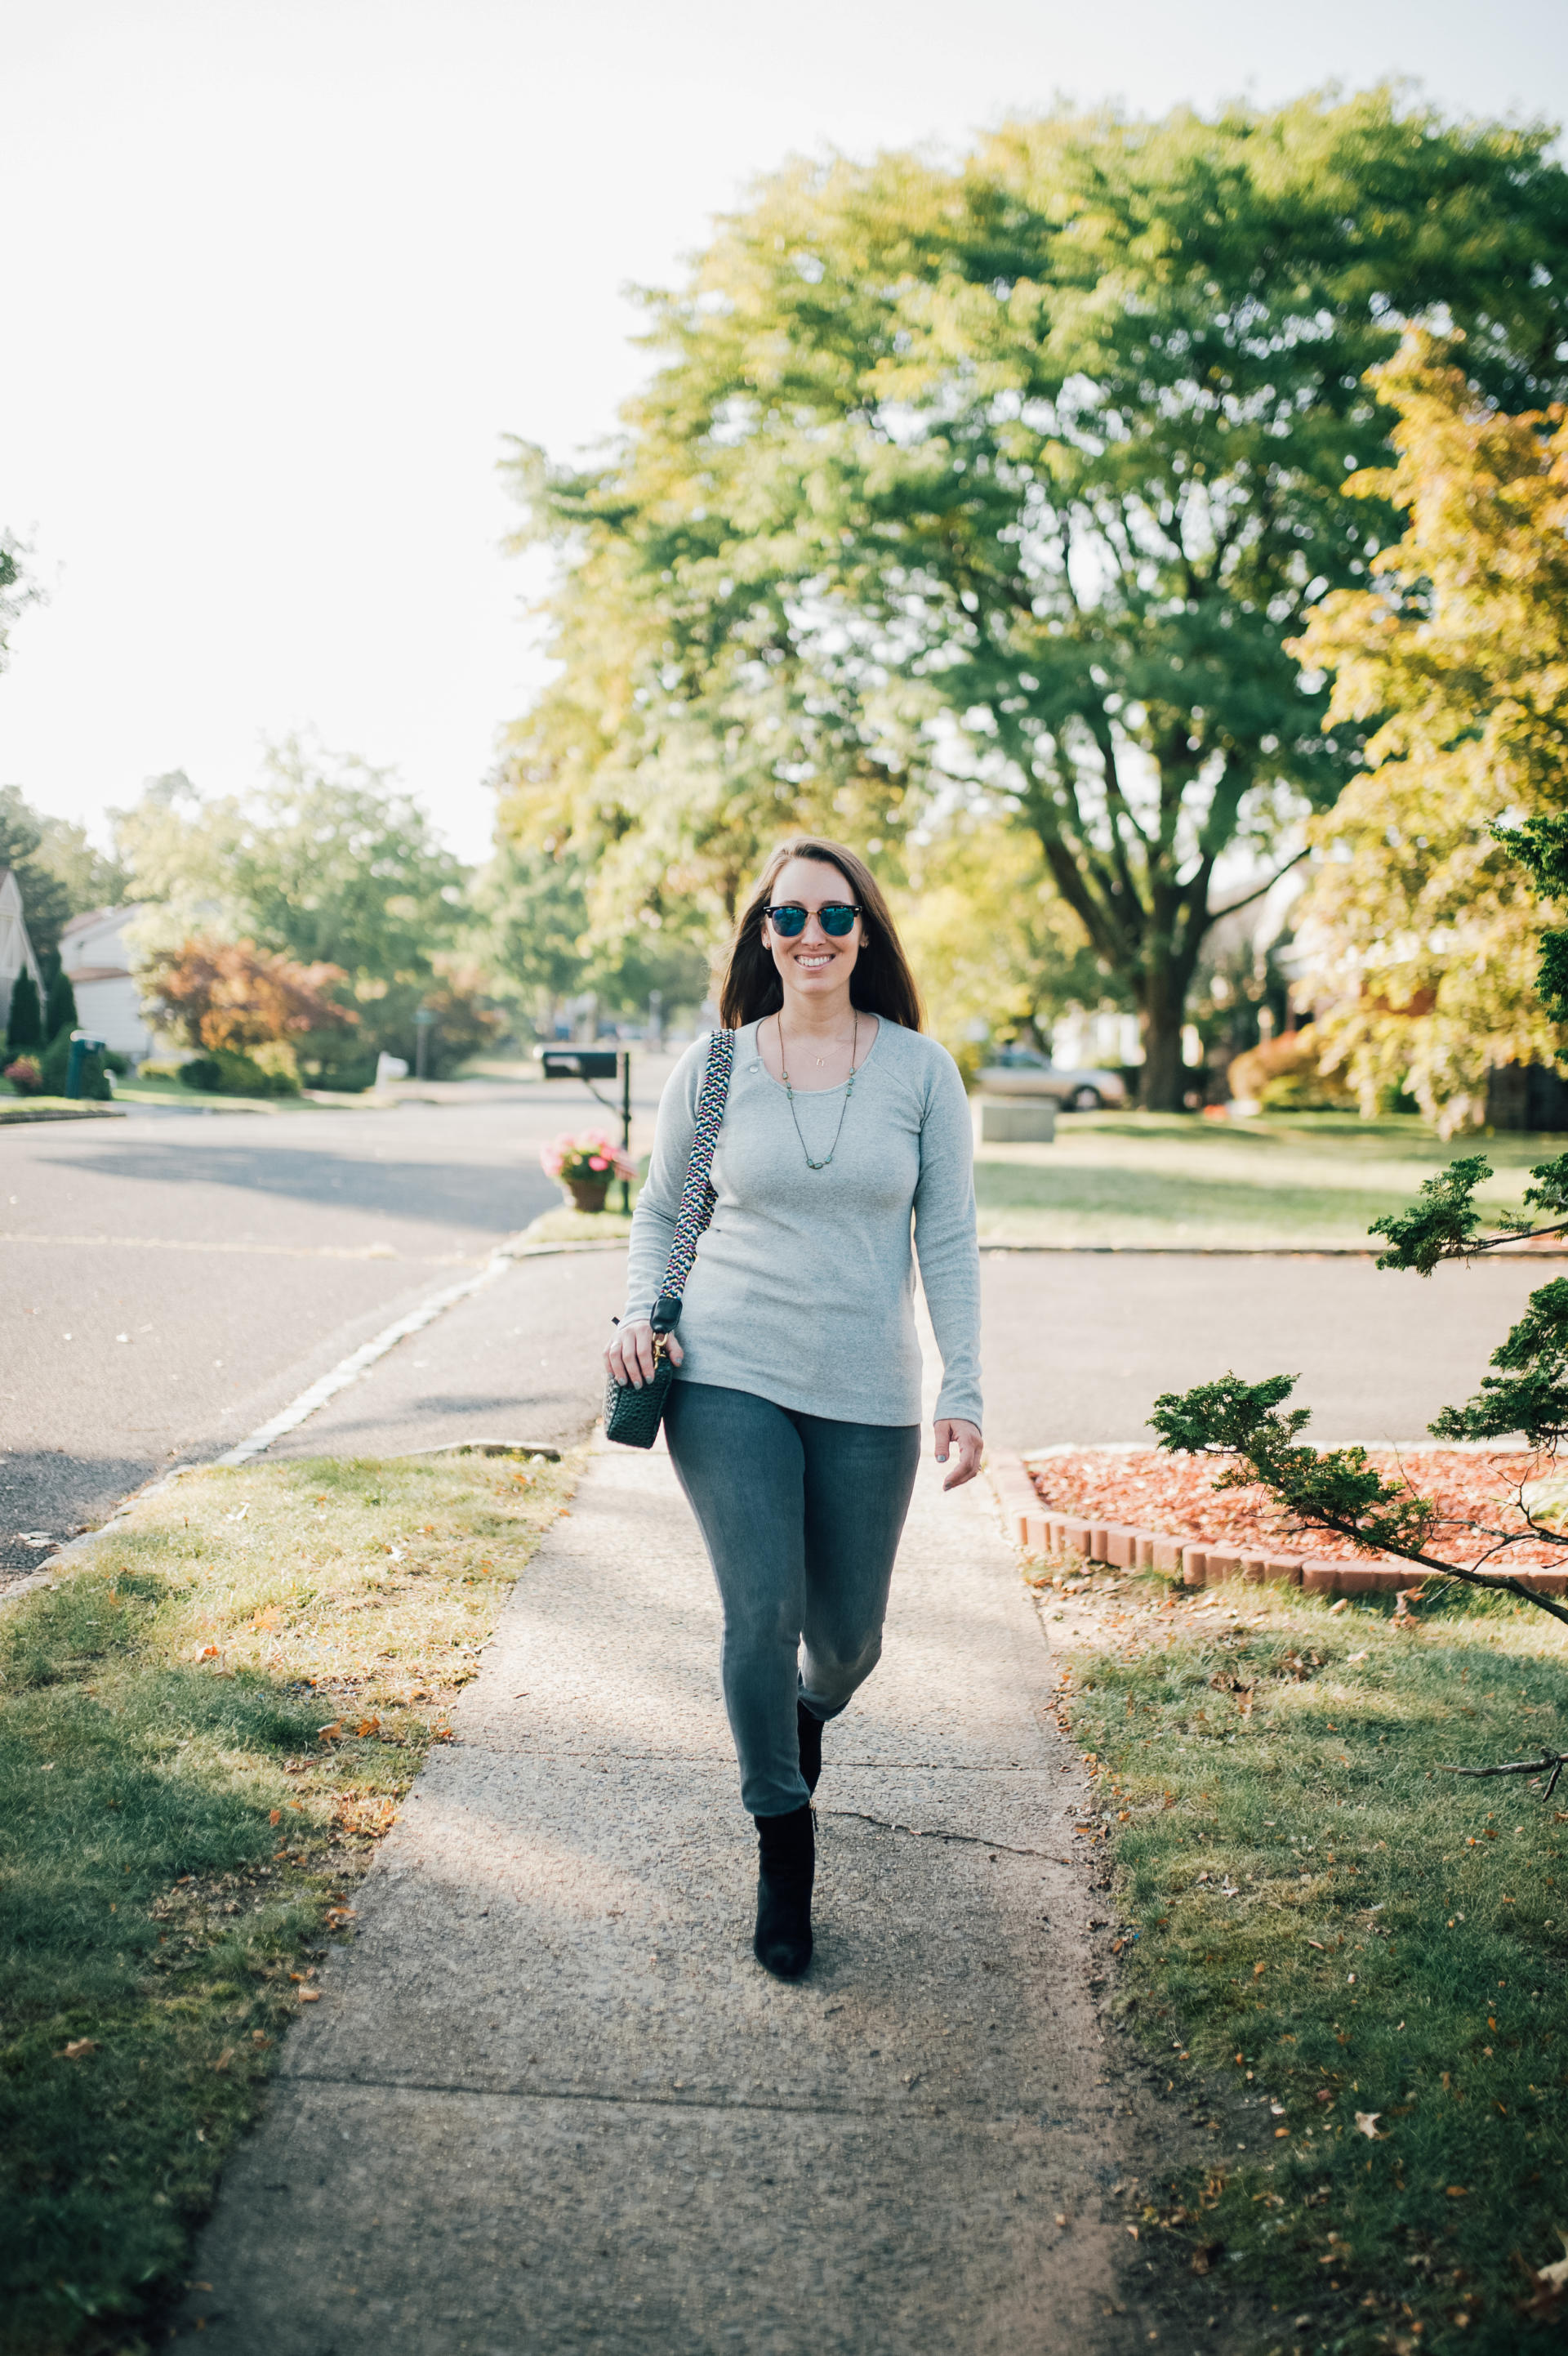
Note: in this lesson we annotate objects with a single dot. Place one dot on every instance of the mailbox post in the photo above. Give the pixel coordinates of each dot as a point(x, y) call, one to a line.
point(591, 1064)
point(424, 1019)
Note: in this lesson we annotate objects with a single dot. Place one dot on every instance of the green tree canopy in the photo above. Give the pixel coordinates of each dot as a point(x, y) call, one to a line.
point(542, 944)
point(1013, 480)
point(61, 874)
point(328, 864)
point(16, 590)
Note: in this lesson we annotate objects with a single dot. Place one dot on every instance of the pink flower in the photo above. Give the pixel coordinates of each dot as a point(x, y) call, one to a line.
point(597, 1161)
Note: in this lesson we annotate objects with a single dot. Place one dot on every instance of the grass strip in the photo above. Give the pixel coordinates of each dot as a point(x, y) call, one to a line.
point(206, 1723)
point(1129, 1178)
point(1352, 1959)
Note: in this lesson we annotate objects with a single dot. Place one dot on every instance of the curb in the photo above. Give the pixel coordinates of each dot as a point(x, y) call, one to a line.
point(1249, 1251)
point(1118, 1546)
point(12, 1118)
point(302, 1409)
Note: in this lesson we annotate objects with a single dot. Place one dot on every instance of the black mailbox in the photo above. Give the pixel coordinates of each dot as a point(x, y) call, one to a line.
point(579, 1063)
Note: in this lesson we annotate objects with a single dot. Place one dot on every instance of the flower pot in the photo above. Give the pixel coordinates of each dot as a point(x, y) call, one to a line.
point(586, 1193)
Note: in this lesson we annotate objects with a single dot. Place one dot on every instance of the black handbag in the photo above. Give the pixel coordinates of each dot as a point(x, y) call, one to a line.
point(634, 1412)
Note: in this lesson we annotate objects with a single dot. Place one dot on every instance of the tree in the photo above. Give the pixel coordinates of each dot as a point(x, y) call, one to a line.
point(1255, 1435)
point(45, 900)
point(61, 874)
point(1423, 931)
point(997, 950)
point(543, 945)
point(16, 592)
point(91, 878)
point(327, 864)
point(1015, 479)
point(60, 1006)
point(228, 994)
point(25, 1021)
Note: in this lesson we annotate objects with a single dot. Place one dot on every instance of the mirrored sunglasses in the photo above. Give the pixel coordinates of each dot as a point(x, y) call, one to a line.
point(837, 918)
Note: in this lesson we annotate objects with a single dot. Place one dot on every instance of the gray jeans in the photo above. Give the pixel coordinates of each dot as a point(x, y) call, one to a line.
point(801, 1518)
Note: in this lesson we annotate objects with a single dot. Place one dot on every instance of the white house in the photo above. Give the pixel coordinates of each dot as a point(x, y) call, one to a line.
point(93, 953)
point(16, 949)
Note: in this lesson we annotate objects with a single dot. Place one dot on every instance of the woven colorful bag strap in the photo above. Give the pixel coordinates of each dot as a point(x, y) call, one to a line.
point(698, 1196)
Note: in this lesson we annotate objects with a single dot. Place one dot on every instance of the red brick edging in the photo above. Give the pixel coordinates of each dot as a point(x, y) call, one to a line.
point(1039, 1531)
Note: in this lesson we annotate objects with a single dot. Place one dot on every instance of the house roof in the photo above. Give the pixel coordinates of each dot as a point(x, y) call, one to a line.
point(92, 917)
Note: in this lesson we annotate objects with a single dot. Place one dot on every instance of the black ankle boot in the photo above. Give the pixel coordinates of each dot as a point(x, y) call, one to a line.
point(786, 1863)
point(810, 1744)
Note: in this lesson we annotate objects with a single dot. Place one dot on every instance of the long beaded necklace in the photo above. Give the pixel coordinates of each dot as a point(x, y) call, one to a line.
point(783, 1068)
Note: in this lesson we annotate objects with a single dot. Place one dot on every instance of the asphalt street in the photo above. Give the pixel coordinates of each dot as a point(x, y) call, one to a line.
point(169, 1282)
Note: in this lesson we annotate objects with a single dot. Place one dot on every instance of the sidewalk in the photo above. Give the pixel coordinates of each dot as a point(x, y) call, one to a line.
point(549, 2101)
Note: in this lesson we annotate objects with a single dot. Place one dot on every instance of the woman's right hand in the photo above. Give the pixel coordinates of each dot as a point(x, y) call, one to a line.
point(630, 1356)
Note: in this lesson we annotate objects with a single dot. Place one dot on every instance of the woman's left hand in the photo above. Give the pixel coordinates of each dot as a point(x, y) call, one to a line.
point(964, 1441)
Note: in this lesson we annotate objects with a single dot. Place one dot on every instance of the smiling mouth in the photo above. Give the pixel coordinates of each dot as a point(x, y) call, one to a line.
point(817, 958)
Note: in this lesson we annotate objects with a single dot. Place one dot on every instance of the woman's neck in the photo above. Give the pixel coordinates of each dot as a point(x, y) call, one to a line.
point(818, 1018)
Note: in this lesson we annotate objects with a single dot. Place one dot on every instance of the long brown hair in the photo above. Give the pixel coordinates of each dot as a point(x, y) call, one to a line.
point(882, 982)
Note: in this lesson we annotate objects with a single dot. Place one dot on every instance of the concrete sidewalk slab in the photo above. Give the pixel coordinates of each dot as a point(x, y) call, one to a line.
point(522, 1360)
point(549, 2101)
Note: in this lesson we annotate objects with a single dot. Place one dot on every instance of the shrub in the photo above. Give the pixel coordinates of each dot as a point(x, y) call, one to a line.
point(162, 1068)
point(25, 1023)
point(55, 1067)
point(25, 1075)
point(1282, 1075)
point(202, 1072)
point(276, 1059)
point(231, 995)
point(337, 1059)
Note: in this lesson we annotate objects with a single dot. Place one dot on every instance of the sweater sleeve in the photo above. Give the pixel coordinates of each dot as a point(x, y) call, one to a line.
point(945, 1240)
point(658, 1204)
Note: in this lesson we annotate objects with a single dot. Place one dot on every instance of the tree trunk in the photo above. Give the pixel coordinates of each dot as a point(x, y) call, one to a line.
point(1164, 1084)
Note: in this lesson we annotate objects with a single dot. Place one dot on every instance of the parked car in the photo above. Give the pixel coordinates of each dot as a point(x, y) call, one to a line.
point(1025, 1072)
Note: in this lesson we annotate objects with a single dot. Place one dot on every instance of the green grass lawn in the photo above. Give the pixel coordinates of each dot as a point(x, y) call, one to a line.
point(1354, 1959)
point(204, 1727)
point(1151, 1178)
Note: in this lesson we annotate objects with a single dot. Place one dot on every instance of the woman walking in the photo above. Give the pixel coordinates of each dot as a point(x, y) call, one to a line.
point(794, 1418)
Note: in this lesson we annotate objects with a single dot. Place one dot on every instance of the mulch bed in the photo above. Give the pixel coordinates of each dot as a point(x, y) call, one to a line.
point(1176, 1495)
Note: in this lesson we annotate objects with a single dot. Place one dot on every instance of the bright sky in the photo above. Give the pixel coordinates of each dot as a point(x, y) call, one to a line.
point(280, 274)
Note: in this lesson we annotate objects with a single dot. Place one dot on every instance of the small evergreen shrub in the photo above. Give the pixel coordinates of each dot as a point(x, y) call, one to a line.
point(25, 1023)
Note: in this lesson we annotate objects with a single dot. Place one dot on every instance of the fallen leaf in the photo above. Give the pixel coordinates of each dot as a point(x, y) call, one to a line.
point(274, 1815)
point(310, 1996)
point(1258, 1970)
point(76, 2046)
point(225, 2057)
point(1555, 2277)
point(1367, 2124)
point(368, 1726)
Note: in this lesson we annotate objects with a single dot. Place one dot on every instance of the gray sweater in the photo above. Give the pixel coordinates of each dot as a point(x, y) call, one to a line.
point(804, 1287)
